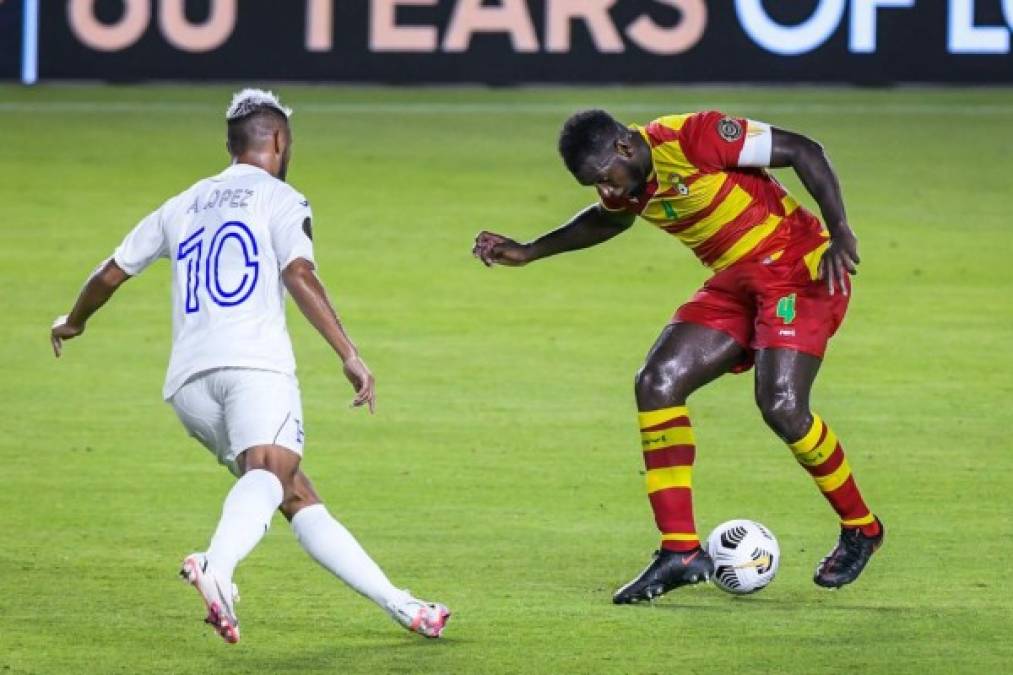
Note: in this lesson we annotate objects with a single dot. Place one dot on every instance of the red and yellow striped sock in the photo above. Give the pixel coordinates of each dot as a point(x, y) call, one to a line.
point(820, 453)
point(669, 450)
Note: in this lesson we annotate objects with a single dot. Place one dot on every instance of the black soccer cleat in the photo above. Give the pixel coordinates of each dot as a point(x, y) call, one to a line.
point(843, 564)
point(668, 570)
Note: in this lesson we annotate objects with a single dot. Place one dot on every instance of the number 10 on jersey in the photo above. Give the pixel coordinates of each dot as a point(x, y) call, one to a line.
point(190, 251)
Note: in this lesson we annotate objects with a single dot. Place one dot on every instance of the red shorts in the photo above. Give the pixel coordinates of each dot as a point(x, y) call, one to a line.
point(763, 305)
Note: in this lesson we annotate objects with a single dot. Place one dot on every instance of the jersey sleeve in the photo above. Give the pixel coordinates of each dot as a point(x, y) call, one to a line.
point(758, 147)
point(713, 141)
point(291, 227)
point(145, 244)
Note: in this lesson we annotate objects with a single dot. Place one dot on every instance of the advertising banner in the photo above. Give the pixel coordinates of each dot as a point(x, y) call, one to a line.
point(525, 41)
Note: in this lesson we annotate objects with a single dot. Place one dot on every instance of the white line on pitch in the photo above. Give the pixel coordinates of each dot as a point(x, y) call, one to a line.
point(960, 109)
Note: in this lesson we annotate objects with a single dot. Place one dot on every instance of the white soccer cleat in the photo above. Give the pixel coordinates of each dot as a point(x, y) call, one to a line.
point(425, 618)
point(219, 598)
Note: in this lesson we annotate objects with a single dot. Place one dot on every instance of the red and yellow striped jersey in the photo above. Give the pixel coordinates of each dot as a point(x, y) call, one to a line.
point(724, 213)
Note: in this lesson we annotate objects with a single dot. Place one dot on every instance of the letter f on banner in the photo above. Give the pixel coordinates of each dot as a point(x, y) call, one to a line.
point(863, 23)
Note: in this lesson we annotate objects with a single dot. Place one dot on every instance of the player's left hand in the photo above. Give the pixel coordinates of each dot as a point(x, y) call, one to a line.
point(61, 331)
point(840, 259)
point(362, 379)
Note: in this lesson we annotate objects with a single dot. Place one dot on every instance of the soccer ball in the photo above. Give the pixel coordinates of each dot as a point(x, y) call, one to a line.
point(745, 556)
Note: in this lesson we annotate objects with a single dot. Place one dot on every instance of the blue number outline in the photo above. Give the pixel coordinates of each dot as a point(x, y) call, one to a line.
point(191, 250)
point(220, 296)
point(192, 303)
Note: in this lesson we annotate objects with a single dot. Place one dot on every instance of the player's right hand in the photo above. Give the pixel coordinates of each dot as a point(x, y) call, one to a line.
point(362, 380)
point(61, 331)
point(495, 249)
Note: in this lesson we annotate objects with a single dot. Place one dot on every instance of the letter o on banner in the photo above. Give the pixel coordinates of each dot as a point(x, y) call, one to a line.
point(105, 37)
point(197, 37)
point(790, 40)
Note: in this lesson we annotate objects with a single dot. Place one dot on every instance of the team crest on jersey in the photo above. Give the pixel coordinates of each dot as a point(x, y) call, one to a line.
point(729, 129)
point(677, 183)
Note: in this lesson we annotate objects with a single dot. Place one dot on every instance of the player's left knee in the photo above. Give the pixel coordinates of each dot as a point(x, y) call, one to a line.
point(299, 494)
point(785, 414)
point(279, 460)
point(297, 498)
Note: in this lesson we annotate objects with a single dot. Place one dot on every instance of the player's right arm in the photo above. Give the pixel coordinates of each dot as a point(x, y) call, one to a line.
point(100, 286)
point(590, 227)
point(141, 247)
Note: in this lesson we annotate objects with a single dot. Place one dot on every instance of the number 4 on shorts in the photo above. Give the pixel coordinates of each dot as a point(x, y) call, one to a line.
point(786, 309)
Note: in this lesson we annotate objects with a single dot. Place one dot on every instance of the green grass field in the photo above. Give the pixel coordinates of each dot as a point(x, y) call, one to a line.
point(502, 473)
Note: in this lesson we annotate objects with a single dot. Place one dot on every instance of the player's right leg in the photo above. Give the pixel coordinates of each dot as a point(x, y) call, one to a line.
point(685, 357)
point(251, 420)
point(328, 542)
point(245, 519)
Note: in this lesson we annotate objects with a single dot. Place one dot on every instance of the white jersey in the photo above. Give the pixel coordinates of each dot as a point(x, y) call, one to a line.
point(228, 237)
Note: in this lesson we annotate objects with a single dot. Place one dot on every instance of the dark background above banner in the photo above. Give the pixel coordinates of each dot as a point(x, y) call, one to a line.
point(517, 41)
point(11, 19)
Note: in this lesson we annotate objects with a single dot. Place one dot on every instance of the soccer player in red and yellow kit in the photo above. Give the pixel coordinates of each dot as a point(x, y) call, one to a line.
point(779, 291)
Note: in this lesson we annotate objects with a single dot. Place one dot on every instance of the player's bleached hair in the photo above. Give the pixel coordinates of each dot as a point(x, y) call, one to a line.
point(249, 101)
point(252, 117)
point(585, 135)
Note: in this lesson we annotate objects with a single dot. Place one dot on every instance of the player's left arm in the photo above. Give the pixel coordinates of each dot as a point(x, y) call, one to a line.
point(291, 229)
point(100, 286)
point(714, 141)
point(811, 164)
point(305, 287)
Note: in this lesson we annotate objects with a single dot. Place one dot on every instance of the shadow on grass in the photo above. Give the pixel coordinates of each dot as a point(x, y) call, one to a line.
point(383, 654)
point(746, 603)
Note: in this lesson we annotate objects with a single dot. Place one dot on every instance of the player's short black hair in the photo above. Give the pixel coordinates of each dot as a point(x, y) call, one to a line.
point(243, 132)
point(586, 134)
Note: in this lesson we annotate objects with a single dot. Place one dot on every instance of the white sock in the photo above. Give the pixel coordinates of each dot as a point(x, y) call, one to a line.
point(334, 547)
point(246, 515)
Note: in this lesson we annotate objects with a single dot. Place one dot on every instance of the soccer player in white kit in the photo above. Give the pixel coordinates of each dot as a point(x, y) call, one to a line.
point(237, 241)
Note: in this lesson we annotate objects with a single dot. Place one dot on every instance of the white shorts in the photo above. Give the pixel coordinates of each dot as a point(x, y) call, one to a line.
point(232, 409)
